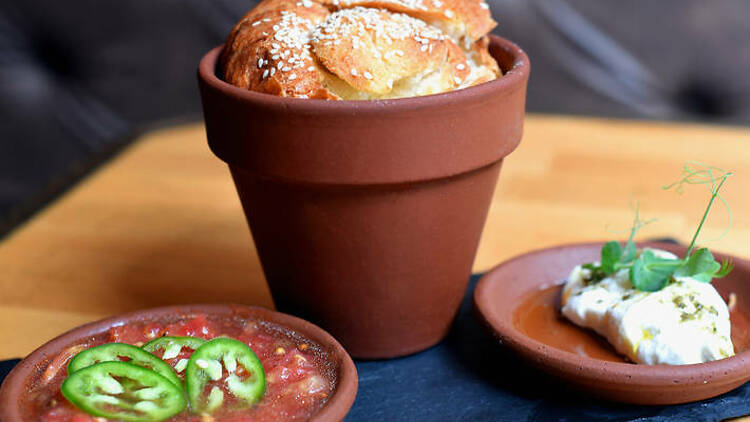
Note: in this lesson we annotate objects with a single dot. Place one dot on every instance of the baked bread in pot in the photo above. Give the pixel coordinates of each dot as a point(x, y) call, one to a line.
point(360, 49)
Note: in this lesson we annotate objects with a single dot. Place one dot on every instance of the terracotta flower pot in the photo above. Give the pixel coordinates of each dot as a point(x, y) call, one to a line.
point(367, 214)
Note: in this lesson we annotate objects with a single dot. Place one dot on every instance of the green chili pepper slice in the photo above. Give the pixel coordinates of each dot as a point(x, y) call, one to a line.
point(114, 352)
point(205, 379)
point(171, 347)
point(125, 392)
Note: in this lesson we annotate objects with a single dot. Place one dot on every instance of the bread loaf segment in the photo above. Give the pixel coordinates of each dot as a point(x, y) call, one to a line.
point(371, 49)
point(465, 21)
point(339, 49)
point(269, 51)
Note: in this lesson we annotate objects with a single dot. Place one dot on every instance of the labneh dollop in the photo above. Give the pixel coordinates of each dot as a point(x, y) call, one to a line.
point(686, 322)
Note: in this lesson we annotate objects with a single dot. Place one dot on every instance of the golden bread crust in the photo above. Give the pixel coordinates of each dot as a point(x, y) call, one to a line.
point(329, 49)
point(464, 20)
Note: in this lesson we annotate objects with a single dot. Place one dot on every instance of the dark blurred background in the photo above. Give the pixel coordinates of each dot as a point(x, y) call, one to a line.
point(79, 79)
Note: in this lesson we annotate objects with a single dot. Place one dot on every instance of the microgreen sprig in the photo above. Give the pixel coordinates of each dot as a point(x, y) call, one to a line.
point(649, 272)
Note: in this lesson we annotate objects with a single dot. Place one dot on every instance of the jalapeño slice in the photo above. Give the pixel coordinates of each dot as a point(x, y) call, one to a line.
point(171, 348)
point(122, 391)
point(114, 352)
point(206, 384)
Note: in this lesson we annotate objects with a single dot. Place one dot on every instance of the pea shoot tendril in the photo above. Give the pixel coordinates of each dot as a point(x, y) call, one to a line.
point(649, 272)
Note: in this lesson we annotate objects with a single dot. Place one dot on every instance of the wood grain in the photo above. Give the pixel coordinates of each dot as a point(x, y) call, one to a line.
point(161, 224)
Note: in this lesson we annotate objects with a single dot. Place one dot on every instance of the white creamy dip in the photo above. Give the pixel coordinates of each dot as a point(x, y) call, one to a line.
point(685, 322)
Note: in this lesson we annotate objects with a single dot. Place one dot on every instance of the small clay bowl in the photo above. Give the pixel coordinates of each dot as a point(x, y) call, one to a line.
point(335, 409)
point(502, 297)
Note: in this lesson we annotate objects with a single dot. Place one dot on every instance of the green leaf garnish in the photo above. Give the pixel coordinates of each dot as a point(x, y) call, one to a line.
point(649, 272)
point(611, 255)
point(701, 266)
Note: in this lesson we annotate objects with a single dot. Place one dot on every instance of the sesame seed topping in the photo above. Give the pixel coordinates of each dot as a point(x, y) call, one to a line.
point(449, 13)
point(484, 5)
point(457, 80)
point(256, 23)
point(260, 63)
point(265, 74)
point(311, 68)
point(354, 72)
point(273, 70)
point(460, 66)
point(292, 77)
point(368, 75)
point(286, 69)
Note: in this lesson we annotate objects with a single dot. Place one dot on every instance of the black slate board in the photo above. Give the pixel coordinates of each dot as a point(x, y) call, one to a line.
point(469, 377)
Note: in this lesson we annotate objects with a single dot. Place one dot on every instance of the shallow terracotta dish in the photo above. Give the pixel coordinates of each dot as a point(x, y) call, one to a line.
point(519, 302)
point(14, 390)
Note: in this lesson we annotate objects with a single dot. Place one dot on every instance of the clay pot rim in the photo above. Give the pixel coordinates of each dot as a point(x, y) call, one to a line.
point(335, 409)
point(630, 375)
point(512, 78)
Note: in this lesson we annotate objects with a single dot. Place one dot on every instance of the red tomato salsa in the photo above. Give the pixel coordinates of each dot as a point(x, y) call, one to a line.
point(299, 378)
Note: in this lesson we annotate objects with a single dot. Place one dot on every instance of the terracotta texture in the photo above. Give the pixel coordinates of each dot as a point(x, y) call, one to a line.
point(501, 291)
point(335, 409)
point(367, 214)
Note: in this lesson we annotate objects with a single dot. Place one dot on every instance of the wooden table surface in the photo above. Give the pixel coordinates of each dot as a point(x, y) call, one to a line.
point(161, 224)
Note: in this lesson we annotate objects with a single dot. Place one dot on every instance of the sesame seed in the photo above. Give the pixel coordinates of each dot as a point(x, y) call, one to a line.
point(273, 70)
point(265, 74)
point(368, 75)
point(449, 13)
point(292, 77)
point(256, 23)
point(286, 69)
point(275, 57)
point(354, 72)
point(460, 66)
point(260, 63)
point(457, 80)
point(423, 48)
point(311, 68)
point(279, 65)
point(484, 5)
